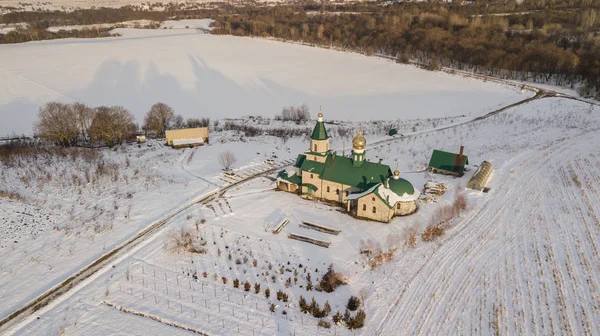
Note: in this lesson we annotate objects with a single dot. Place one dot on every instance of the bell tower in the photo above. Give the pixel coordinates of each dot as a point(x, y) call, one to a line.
point(319, 140)
point(359, 143)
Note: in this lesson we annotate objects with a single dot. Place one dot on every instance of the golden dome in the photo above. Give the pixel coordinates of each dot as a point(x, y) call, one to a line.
point(320, 115)
point(359, 141)
point(396, 174)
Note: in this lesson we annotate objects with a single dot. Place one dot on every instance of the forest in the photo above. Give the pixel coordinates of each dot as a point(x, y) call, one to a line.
point(543, 41)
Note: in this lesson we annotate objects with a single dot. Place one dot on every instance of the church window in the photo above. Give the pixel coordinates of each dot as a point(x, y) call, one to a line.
point(372, 198)
point(327, 188)
point(374, 210)
point(315, 147)
point(347, 193)
point(337, 191)
point(311, 175)
point(364, 207)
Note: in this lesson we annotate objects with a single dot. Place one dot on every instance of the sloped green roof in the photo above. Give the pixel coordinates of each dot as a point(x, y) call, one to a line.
point(447, 161)
point(312, 166)
point(401, 186)
point(295, 179)
point(319, 132)
point(300, 160)
point(340, 169)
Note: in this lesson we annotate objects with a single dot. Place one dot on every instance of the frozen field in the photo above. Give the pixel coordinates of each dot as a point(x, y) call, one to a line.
point(202, 75)
point(523, 258)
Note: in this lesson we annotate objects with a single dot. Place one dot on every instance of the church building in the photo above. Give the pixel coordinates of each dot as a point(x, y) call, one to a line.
point(365, 189)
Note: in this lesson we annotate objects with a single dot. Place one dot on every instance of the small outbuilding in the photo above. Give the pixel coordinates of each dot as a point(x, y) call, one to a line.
point(481, 176)
point(448, 163)
point(187, 137)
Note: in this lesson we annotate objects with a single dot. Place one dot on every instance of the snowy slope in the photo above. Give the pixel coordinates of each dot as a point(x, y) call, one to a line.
point(523, 259)
point(202, 75)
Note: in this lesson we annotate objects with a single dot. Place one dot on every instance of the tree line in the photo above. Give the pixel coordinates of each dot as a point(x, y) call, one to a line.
point(534, 40)
point(80, 125)
point(538, 41)
point(28, 34)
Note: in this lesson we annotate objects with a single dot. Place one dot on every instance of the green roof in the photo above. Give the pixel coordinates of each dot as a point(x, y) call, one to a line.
point(299, 160)
point(319, 132)
point(447, 161)
point(340, 169)
point(312, 166)
point(401, 186)
point(295, 179)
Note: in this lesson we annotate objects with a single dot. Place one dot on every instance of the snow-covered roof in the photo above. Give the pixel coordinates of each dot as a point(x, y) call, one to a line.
point(364, 193)
point(395, 198)
point(191, 141)
point(387, 194)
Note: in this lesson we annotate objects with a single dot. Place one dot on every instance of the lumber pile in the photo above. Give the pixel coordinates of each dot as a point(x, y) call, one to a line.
point(310, 240)
point(320, 228)
point(280, 226)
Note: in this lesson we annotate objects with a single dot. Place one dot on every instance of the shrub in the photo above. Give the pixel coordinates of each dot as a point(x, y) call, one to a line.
point(330, 280)
point(357, 321)
point(353, 303)
point(347, 316)
point(326, 308)
point(224, 280)
point(303, 305)
point(324, 324)
point(337, 318)
point(256, 288)
point(267, 293)
point(247, 286)
point(185, 240)
point(236, 283)
point(431, 233)
point(272, 307)
point(281, 296)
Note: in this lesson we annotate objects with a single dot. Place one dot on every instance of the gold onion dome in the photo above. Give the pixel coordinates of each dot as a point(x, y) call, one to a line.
point(320, 115)
point(396, 174)
point(359, 141)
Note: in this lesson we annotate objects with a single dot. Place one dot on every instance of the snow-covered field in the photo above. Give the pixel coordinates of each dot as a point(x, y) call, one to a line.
point(521, 260)
point(202, 75)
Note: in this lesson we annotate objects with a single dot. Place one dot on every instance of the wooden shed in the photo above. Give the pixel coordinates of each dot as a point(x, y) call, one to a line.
point(187, 137)
point(448, 163)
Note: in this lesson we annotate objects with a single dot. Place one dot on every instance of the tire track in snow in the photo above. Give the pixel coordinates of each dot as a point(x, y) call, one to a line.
point(41, 85)
point(534, 166)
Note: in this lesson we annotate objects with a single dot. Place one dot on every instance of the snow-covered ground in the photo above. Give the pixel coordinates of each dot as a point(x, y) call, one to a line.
point(124, 24)
point(202, 75)
point(521, 260)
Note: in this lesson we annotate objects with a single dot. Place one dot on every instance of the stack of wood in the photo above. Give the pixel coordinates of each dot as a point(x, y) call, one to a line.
point(434, 188)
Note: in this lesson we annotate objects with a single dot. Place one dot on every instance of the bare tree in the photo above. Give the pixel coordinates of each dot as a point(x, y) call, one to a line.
point(112, 125)
point(198, 122)
point(227, 159)
point(178, 122)
point(57, 122)
point(295, 113)
point(159, 118)
point(85, 115)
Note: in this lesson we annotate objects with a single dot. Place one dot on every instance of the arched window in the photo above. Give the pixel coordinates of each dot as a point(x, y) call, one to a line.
point(337, 192)
point(311, 175)
point(364, 207)
point(315, 147)
point(347, 193)
point(372, 198)
point(327, 188)
point(374, 210)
